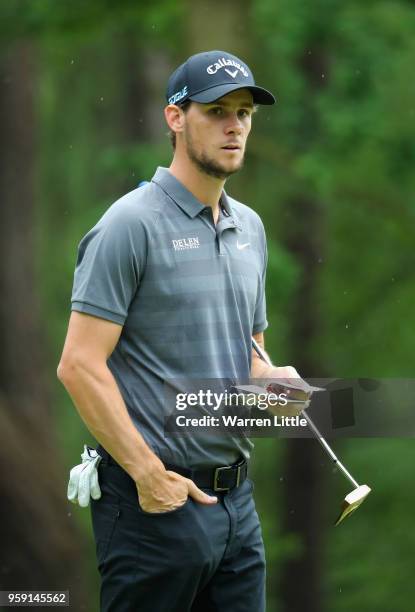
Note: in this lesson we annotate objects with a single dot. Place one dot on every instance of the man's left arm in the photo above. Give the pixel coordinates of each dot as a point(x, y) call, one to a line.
point(278, 378)
point(260, 369)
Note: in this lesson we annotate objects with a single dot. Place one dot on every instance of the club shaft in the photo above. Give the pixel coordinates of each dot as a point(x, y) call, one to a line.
point(311, 424)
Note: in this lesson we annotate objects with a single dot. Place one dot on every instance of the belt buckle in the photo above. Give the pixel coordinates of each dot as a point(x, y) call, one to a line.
point(226, 467)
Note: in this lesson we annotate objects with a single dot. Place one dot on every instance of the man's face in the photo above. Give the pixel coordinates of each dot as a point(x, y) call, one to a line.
point(215, 134)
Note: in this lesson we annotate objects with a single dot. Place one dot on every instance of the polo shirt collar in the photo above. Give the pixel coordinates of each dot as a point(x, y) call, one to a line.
point(184, 198)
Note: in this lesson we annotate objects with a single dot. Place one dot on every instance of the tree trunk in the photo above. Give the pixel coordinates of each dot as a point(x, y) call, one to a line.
point(40, 547)
point(301, 580)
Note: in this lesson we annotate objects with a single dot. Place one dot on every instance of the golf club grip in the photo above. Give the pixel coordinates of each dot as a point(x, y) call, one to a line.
point(261, 353)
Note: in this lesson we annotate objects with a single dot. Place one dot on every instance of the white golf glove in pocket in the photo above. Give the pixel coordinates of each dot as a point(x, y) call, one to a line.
point(83, 478)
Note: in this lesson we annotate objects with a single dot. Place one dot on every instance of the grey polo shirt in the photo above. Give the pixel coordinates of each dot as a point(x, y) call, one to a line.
point(188, 294)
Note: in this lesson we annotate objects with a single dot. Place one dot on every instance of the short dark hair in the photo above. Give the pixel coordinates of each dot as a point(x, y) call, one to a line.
point(172, 135)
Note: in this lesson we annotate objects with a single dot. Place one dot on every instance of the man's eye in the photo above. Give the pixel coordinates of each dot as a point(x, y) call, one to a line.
point(243, 113)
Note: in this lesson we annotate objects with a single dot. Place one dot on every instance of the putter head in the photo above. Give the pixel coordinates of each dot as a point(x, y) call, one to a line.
point(352, 501)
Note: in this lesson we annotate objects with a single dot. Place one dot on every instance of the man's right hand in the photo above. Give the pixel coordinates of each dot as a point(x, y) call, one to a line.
point(167, 491)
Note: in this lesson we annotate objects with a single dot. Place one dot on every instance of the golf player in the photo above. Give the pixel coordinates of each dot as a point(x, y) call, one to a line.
point(170, 285)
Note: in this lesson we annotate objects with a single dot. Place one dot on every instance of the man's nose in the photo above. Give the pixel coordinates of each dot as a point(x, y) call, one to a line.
point(234, 125)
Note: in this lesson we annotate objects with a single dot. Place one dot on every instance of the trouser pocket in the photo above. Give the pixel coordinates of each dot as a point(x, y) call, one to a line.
point(104, 520)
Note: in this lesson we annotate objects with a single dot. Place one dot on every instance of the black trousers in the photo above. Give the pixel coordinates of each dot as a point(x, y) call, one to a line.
point(194, 559)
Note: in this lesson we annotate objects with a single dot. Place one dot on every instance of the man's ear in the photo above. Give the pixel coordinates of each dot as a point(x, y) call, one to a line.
point(174, 117)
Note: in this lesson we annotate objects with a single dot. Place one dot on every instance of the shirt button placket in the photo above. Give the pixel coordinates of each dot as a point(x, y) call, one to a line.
point(220, 247)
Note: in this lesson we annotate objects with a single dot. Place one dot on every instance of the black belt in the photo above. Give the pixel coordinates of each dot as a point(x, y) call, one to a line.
point(223, 478)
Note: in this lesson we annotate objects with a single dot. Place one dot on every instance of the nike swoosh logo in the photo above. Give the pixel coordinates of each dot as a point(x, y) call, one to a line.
point(242, 246)
point(232, 74)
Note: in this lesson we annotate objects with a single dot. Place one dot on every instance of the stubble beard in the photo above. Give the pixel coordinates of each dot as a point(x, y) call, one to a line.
point(206, 164)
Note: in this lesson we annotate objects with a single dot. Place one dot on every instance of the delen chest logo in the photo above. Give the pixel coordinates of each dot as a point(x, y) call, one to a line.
point(184, 244)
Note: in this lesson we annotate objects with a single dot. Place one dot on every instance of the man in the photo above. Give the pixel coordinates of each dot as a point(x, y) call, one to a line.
point(170, 285)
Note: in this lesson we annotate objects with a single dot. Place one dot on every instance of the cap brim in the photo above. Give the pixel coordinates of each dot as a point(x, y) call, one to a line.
point(259, 94)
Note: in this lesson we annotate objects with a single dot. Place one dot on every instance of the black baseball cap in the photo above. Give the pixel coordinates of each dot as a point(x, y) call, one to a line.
point(205, 77)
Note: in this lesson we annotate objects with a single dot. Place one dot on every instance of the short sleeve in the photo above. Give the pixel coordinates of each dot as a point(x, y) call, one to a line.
point(108, 268)
point(260, 316)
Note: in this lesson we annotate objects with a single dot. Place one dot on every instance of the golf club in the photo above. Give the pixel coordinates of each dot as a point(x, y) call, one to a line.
point(356, 497)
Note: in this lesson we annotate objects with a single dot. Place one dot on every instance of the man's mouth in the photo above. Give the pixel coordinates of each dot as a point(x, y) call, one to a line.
point(231, 147)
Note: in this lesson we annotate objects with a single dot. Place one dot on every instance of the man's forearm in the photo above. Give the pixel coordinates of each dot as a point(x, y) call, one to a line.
point(259, 369)
point(101, 406)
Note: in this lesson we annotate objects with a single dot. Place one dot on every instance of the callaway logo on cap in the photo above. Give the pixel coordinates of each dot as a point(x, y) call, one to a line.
point(205, 77)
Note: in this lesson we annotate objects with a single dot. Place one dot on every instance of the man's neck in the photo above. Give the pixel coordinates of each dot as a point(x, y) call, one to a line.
point(207, 189)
